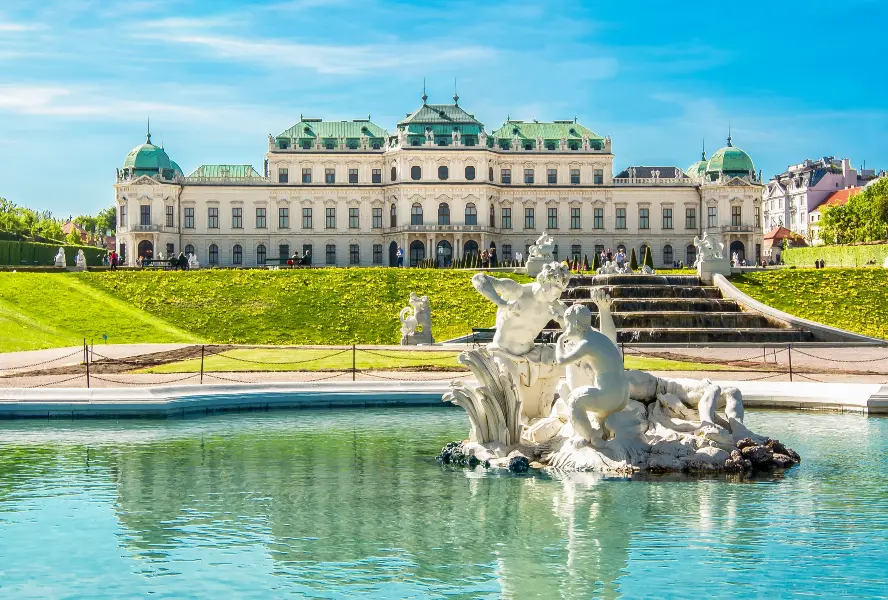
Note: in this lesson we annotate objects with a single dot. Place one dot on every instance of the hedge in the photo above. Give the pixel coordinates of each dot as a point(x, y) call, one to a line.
point(13, 253)
point(837, 256)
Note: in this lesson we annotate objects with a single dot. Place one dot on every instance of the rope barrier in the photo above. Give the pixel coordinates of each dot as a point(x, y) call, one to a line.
point(777, 374)
point(55, 382)
point(336, 374)
point(368, 374)
point(701, 359)
point(45, 362)
point(396, 357)
point(838, 360)
point(141, 382)
point(295, 362)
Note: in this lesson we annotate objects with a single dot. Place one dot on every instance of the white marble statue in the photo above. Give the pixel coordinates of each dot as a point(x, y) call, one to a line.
point(708, 248)
point(611, 267)
point(80, 260)
point(646, 270)
point(192, 261)
point(416, 321)
point(540, 254)
point(60, 260)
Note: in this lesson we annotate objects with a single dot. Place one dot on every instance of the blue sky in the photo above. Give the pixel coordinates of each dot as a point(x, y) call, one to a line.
point(79, 78)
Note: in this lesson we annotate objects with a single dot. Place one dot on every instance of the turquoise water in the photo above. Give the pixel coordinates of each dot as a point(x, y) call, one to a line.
point(351, 504)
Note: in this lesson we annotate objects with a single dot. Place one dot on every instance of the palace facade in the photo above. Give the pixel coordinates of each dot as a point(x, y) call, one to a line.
point(440, 186)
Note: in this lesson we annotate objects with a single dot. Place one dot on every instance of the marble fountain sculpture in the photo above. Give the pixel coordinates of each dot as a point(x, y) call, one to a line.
point(416, 321)
point(572, 406)
point(80, 261)
point(540, 254)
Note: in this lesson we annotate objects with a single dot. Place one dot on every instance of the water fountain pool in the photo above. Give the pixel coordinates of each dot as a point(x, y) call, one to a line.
point(351, 503)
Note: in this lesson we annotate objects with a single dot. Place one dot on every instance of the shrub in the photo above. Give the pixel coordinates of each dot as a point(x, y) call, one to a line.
point(585, 263)
point(837, 256)
point(633, 261)
point(648, 259)
point(596, 262)
point(13, 253)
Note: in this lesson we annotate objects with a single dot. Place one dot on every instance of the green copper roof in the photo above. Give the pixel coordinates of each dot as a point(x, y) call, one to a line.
point(226, 171)
point(147, 157)
point(731, 161)
point(312, 128)
point(176, 168)
point(440, 114)
point(555, 130)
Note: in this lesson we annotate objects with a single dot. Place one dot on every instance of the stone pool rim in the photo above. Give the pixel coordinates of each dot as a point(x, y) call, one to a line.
point(179, 400)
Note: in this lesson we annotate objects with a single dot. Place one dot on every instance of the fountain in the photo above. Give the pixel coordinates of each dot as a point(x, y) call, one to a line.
point(573, 407)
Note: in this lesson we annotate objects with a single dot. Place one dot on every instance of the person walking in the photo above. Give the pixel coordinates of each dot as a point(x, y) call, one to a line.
point(400, 255)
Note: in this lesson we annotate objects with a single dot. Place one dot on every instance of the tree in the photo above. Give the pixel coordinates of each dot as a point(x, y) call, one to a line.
point(73, 238)
point(648, 259)
point(107, 220)
point(87, 222)
point(585, 262)
point(633, 261)
point(596, 261)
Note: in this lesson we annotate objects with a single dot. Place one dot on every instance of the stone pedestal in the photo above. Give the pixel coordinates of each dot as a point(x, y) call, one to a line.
point(535, 265)
point(707, 268)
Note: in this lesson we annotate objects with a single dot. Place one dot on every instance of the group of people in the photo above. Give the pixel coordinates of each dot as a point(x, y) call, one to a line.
point(111, 259)
point(608, 256)
point(819, 264)
point(296, 261)
point(488, 258)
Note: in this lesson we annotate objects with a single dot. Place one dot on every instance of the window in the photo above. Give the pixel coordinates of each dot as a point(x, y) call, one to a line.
point(283, 175)
point(416, 214)
point(376, 176)
point(377, 254)
point(758, 216)
point(507, 251)
point(599, 248)
point(506, 218)
point(574, 176)
point(354, 254)
point(667, 255)
point(331, 218)
point(394, 174)
point(552, 220)
point(573, 146)
point(690, 218)
point(331, 254)
point(471, 214)
point(393, 217)
point(189, 218)
point(284, 251)
point(691, 255)
point(213, 218)
point(550, 145)
point(712, 217)
point(306, 253)
point(735, 216)
point(598, 218)
point(123, 217)
point(443, 214)
point(354, 220)
point(415, 173)
point(528, 175)
point(417, 252)
point(145, 214)
point(528, 218)
point(171, 250)
point(641, 252)
point(576, 251)
point(260, 218)
point(169, 216)
point(214, 254)
point(644, 218)
point(329, 145)
point(260, 254)
point(598, 176)
point(490, 173)
point(377, 218)
point(237, 218)
point(306, 218)
point(492, 222)
point(237, 255)
point(443, 173)
point(505, 175)
point(352, 175)
point(330, 175)
point(621, 218)
point(283, 218)
point(555, 252)
point(470, 173)
point(189, 250)
point(667, 219)
point(574, 217)
point(306, 175)
point(552, 176)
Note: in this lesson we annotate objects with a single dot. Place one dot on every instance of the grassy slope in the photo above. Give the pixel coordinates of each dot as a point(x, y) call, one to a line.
point(311, 306)
point(851, 299)
point(47, 310)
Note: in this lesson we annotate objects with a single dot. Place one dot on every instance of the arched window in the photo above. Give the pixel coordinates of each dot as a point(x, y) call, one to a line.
point(443, 173)
point(237, 255)
point(471, 214)
point(444, 253)
point(376, 145)
point(528, 146)
point(691, 253)
point(641, 252)
point(417, 252)
point(443, 214)
point(415, 142)
point(492, 222)
point(260, 254)
point(667, 255)
point(416, 214)
point(214, 254)
point(394, 174)
point(621, 248)
point(490, 173)
point(550, 145)
point(393, 216)
point(329, 145)
point(189, 249)
point(470, 173)
point(470, 248)
point(415, 173)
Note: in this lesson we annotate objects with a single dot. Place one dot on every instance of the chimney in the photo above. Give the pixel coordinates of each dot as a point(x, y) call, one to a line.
point(849, 175)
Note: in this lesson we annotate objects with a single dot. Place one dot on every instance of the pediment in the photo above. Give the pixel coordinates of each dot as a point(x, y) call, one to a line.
point(144, 180)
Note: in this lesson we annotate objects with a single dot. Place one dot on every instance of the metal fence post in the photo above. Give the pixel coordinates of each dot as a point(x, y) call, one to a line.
point(354, 363)
point(201, 363)
point(86, 353)
point(789, 349)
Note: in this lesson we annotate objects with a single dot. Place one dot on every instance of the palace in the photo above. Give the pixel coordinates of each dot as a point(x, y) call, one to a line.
point(440, 186)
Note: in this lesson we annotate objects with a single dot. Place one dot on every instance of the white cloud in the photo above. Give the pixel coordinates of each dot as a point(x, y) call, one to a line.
point(17, 27)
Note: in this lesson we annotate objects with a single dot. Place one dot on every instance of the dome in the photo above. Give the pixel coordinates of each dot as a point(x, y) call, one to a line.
point(147, 158)
point(176, 168)
point(730, 161)
point(698, 169)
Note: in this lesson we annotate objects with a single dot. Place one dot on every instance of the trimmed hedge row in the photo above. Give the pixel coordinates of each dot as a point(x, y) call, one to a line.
point(13, 253)
point(837, 256)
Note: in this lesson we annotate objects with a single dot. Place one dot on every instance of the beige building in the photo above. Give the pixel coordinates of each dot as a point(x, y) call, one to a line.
point(440, 186)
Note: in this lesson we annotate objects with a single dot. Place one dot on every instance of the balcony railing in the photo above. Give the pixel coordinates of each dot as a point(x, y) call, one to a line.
point(646, 181)
point(439, 229)
point(141, 228)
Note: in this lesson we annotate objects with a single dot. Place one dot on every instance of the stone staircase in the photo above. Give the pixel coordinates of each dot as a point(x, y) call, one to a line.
point(677, 309)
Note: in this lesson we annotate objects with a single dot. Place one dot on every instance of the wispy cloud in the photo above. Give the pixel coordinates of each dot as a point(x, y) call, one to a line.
point(17, 27)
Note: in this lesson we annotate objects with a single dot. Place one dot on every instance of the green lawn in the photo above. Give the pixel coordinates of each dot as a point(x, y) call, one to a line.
point(49, 310)
point(299, 306)
point(310, 359)
point(851, 299)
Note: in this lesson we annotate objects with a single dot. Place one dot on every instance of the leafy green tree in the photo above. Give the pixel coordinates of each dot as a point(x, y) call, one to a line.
point(107, 220)
point(73, 238)
point(87, 222)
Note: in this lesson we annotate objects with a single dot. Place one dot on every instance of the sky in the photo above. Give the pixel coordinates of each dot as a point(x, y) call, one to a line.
point(80, 78)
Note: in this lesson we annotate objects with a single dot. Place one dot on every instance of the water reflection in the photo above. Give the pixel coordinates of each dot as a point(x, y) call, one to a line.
point(352, 502)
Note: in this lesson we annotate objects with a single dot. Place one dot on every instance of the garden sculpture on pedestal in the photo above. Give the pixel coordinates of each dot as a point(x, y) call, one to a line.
point(416, 321)
point(540, 254)
point(80, 260)
point(192, 262)
point(60, 260)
